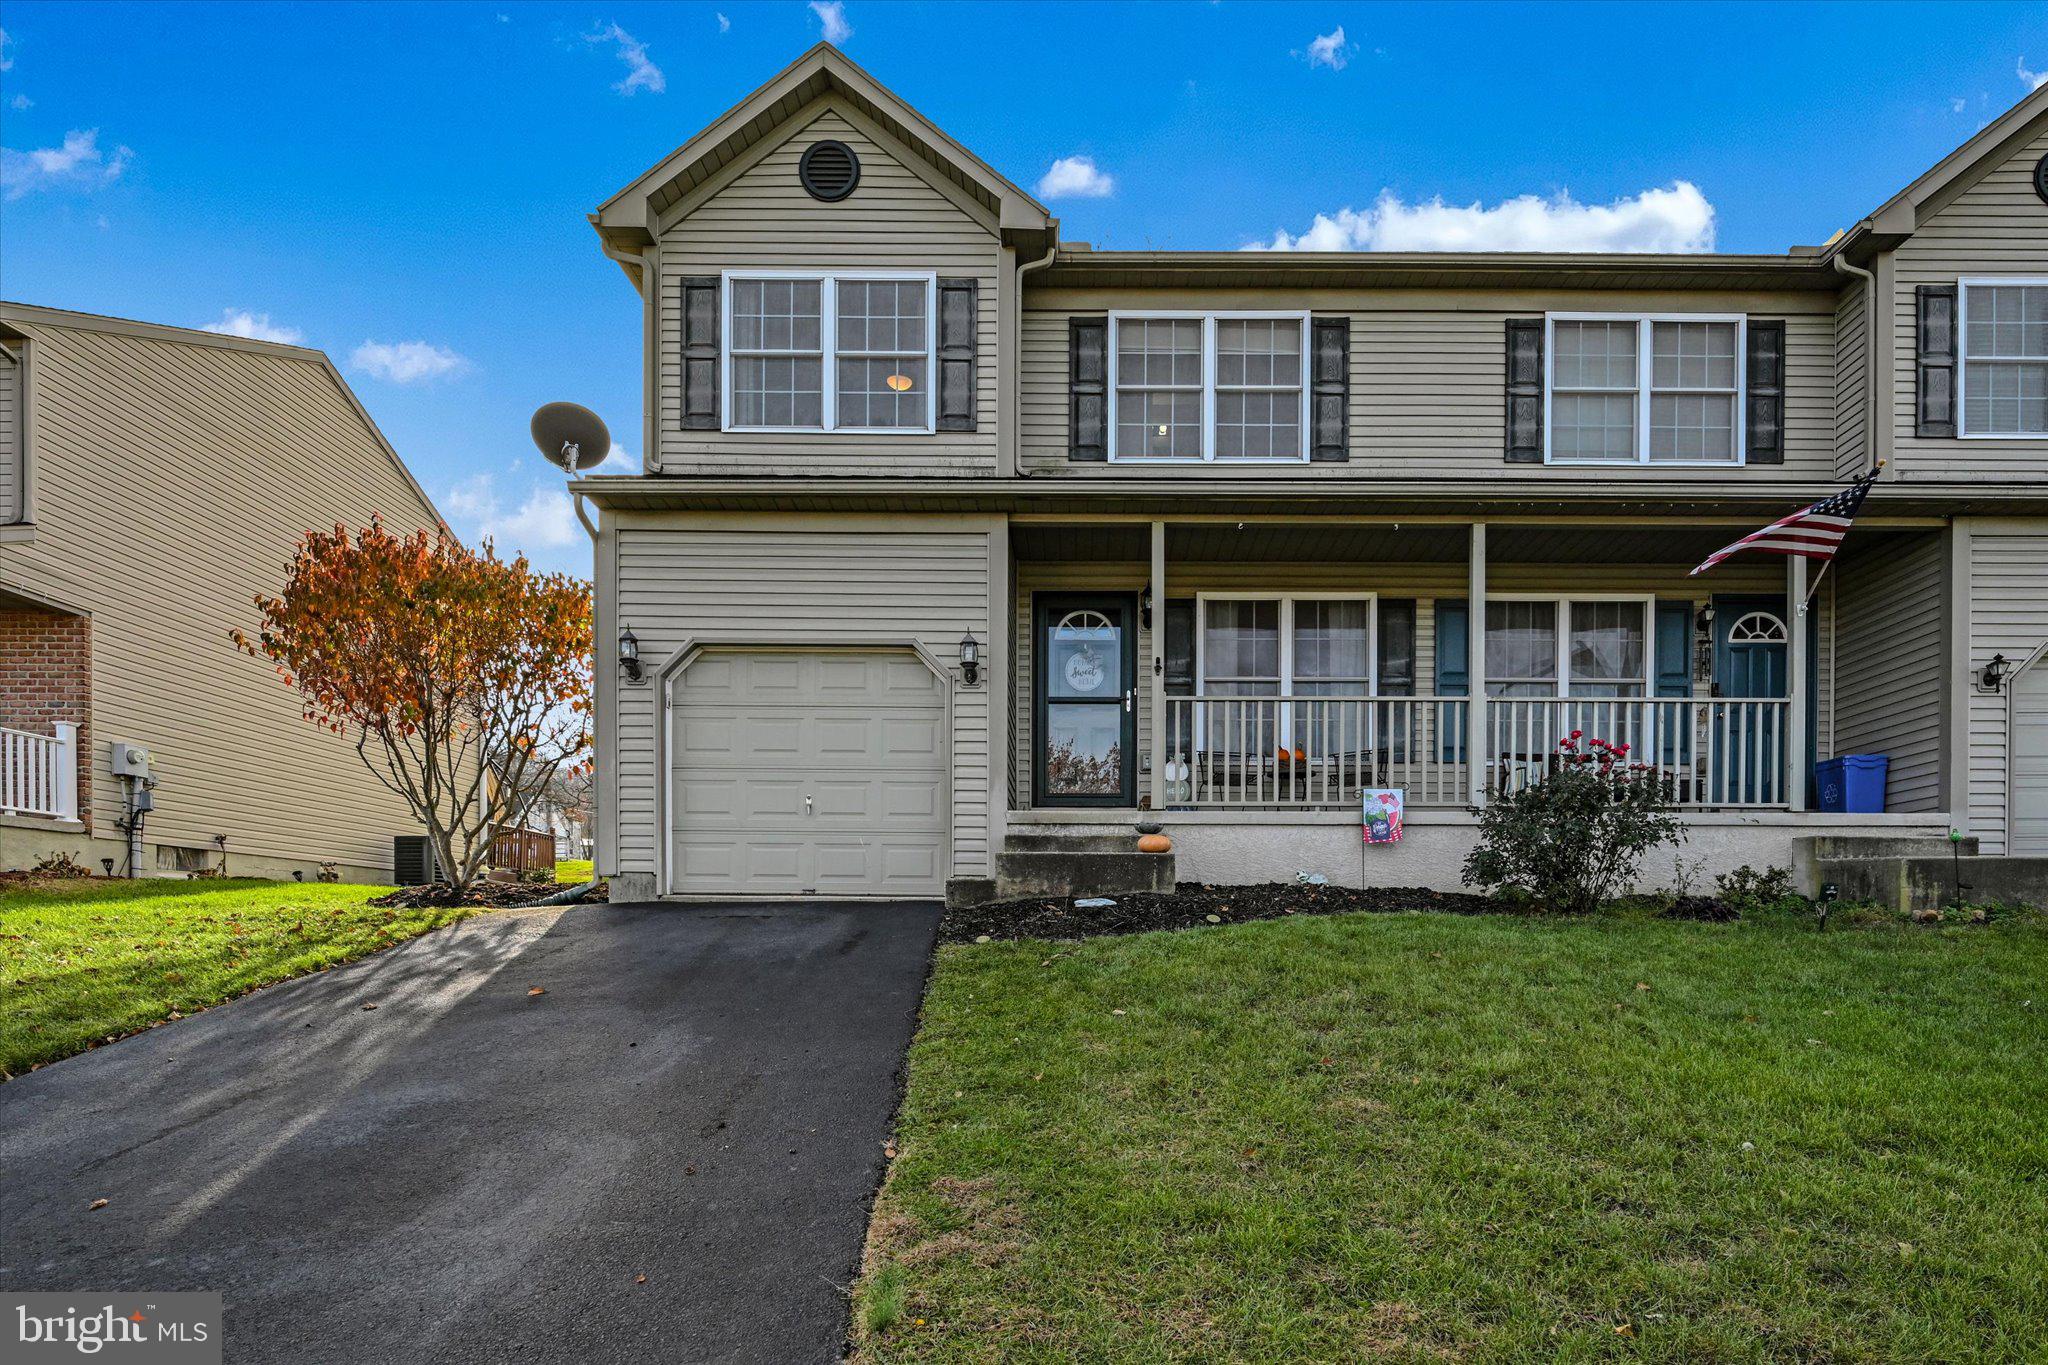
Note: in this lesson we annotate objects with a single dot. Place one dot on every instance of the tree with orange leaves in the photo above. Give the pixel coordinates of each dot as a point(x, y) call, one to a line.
point(464, 679)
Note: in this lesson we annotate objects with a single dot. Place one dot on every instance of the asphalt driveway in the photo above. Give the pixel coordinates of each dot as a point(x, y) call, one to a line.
point(472, 1172)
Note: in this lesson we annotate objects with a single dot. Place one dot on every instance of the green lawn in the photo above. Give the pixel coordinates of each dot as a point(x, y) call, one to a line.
point(1425, 1137)
point(573, 871)
point(83, 961)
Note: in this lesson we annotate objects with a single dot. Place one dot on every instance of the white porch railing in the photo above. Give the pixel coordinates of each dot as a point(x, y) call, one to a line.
point(1318, 752)
point(39, 773)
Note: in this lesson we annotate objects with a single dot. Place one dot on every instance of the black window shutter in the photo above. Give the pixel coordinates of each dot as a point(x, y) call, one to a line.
point(1087, 388)
point(1330, 389)
point(1935, 410)
point(700, 352)
point(957, 341)
point(1764, 433)
point(1179, 654)
point(1525, 391)
point(1397, 647)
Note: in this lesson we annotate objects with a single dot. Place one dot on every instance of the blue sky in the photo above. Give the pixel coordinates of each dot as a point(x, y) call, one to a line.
point(404, 185)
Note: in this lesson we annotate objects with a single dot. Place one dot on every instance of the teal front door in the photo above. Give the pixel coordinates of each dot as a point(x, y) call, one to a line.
point(1751, 660)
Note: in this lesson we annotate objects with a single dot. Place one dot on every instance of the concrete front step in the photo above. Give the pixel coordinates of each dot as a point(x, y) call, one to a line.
point(1055, 841)
point(1928, 883)
point(1081, 872)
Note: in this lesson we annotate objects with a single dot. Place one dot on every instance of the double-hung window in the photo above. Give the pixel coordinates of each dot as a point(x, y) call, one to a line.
point(1567, 647)
point(2005, 357)
point(1282, 646)
point(1644, 390)
point(850, 351)
point(1208, 386)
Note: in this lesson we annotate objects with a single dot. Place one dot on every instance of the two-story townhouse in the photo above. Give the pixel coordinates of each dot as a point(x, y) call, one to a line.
point(153, 481)
point(956, 538)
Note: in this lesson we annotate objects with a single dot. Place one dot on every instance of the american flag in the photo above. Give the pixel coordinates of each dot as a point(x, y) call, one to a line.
point(1813, 532)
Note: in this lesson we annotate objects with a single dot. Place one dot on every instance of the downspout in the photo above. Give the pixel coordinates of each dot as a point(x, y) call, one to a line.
point(1870, 396)
point(1017, 345)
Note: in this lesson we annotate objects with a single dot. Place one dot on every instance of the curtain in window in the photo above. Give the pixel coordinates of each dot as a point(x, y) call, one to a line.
point(1606, 651)
point(1521, 649)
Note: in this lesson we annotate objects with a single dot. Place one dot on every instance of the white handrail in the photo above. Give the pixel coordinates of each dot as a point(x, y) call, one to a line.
point(39, 773)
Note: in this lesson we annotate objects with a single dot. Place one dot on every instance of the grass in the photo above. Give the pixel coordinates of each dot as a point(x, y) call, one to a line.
point(573, 871)
point(1421, 1137)
point(85, 961)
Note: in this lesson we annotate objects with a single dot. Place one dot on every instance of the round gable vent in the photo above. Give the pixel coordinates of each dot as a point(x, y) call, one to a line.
point(829, 171)
point(2041, 178)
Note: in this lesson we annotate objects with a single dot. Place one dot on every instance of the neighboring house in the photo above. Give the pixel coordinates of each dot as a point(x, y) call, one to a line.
point(153, 480)
point(1237, 534)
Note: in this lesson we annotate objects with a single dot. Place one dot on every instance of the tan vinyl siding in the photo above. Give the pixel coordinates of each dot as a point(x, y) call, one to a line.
point(1422, 582)
point(767, 583)
point(12, 454)
point(1890, 671)
point(1428, 370)
point(173, 481)
point(1852, 382)
point(761, 217)
point(1998, 226)
point(2009, 616)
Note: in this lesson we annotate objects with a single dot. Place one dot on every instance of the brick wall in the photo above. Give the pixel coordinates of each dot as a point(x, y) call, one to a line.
point(46, 676)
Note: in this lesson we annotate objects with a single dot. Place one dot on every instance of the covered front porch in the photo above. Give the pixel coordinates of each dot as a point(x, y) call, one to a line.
point(1214, 664)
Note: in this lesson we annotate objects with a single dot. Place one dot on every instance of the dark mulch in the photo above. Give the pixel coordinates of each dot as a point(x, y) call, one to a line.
point(1705, 909)
point(496, 895)
point(1193, 904)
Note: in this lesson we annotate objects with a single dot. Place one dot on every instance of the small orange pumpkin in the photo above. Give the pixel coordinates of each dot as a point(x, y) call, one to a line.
point(1154, 843)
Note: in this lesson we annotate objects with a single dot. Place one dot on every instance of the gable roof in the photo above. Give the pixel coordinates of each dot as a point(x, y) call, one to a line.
point(23, 318)
point(625, 221)
point(1901, 215)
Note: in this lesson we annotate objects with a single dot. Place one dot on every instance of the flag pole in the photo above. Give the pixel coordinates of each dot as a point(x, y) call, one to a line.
point(1829, 562)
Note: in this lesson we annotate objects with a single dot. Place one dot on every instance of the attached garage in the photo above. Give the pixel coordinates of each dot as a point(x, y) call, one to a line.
point(2027, 784)
point(808, 772)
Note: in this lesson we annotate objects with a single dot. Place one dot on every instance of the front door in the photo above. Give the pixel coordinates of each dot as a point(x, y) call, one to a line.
point(1751, 659)
point(1084, 690)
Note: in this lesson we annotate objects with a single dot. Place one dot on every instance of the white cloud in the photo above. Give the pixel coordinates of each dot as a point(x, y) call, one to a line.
point(641, 73)
point(724, 24)
point(77, 164)
point(1076, 177)
point(6, 62)
point(407, 362)
point(1676, 219)
point(1330, 49)
point(832, 21)
point(1957, 104)
point(21, 102)
point(2034, 79)
point(240, 322)
point(544, 520)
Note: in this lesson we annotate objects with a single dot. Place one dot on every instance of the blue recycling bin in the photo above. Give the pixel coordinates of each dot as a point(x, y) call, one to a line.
point(1852, 784)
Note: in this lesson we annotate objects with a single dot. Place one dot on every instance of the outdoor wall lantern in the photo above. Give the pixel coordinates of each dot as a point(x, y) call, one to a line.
point(970, 658)
point(629, 654)
point(1994, 673)
point(1145, 606)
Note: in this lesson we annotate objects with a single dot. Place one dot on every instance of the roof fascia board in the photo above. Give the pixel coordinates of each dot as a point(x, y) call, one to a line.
point(1898, 217)
point(833, 103)
point(627, 207)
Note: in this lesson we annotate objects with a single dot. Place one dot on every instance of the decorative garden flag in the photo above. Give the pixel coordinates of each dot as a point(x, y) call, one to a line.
point(1382, 815)
point(1815, 531)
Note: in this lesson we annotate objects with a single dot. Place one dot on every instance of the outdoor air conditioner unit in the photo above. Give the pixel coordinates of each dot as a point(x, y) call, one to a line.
point(412, 860)
point(127, 760)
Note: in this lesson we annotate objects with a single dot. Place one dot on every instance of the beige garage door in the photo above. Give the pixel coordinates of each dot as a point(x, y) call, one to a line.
point(808, 774)
point(2028, 785)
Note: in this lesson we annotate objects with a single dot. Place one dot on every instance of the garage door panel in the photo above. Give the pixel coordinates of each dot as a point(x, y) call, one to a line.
point(860, 734)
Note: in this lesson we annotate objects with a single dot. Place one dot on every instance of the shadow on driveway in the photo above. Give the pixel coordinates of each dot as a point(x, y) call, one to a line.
point(472, 1172)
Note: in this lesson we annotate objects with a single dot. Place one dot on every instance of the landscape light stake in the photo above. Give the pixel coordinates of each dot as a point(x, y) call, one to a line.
point(1955, 849)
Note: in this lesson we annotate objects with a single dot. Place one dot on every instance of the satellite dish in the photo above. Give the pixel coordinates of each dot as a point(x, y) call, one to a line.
point(570, 436)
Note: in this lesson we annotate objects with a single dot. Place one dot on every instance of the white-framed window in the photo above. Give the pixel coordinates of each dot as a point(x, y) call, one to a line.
point(1266, 645)
point(2002, 374)
point(1568, 646)
point(844, 350)
point(1635, 388)
point(1208, 386)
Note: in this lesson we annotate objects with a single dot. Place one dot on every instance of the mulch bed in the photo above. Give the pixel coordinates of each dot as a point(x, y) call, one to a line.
point(495, 895)
point(1194, 905)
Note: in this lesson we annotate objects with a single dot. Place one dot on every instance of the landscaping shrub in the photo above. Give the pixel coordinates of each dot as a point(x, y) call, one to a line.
point(1578, 836)
point(1747, 890)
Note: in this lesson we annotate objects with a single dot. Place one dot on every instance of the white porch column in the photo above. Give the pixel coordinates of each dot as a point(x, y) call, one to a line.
point(1795, 688)
point(67, 770)
point(1157, 682)
point(1477, 751)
